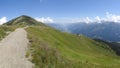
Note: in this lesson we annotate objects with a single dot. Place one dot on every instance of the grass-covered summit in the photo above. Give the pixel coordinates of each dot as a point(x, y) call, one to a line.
point(23, 21)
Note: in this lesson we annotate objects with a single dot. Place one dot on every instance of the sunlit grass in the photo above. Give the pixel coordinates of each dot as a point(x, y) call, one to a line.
point(50, 48)
point(5, 30)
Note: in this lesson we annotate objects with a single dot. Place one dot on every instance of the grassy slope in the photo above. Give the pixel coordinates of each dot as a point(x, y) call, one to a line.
point(23, 21)
point(51, 48)
point(4, 29)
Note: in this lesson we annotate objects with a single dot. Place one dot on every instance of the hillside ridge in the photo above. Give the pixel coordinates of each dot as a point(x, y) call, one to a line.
point(23, 20)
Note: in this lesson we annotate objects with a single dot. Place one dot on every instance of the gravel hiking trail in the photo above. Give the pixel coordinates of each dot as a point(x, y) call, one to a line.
point(13, 50)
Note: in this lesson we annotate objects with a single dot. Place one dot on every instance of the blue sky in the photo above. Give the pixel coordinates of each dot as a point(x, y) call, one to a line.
point(59, 10)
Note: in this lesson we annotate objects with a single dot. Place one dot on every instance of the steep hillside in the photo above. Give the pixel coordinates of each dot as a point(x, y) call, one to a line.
point(113, 45)
point(23, 21)
point(109, 31)
point(51, 48)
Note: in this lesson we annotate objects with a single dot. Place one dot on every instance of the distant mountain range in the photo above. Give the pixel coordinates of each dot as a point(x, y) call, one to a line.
point(109, 31)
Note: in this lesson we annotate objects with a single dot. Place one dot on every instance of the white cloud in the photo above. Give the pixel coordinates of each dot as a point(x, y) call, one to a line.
point(88, 20)
point(85, 20)
point(3, 20)
point(112, 17)
point(97, 19)
point(45, 20)
point(108, 18)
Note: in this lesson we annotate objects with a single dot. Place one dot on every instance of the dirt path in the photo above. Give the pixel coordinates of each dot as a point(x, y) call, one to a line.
point(13, 49)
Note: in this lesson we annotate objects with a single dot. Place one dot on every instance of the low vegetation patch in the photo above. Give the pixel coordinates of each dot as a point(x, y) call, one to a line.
point(4, 30)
